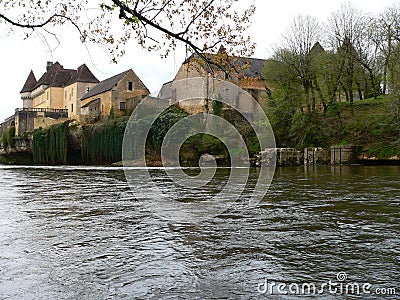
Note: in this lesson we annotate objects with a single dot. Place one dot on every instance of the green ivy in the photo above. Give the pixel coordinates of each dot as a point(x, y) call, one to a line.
point(8, 138)
point(49, 145)
point(103, 142)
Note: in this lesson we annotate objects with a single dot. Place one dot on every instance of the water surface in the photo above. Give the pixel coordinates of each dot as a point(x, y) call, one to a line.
point(77, 233)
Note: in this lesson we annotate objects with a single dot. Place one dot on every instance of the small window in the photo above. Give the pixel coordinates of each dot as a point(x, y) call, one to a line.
point(87, 89)
point(122, 106)
point(72, 107)
point(130, 85)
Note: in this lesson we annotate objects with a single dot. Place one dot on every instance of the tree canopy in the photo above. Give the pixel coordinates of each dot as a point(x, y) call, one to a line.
point(321, 68)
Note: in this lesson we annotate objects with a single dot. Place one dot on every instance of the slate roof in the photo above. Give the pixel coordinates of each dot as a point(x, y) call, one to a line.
point(62, 77)
point(317, 48)
point(256, 66)
point(30, 83)
point(254, 70)
point(48, 77)
point(57, 76)
point(82, 74)
point(105, 85)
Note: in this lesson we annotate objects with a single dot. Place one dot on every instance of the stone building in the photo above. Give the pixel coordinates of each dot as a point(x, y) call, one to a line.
point(242, 71)
point(58, 88)
point(116, 95)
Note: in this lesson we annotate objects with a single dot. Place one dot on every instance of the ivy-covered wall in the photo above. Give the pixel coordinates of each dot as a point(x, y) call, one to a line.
point(49, 145)
point(8, 138)
point(102, 143)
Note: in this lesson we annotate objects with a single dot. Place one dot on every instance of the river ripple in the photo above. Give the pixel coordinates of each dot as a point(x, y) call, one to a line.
point(76, 233)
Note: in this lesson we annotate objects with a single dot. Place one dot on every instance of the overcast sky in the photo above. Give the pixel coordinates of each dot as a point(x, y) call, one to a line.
point(19, 56)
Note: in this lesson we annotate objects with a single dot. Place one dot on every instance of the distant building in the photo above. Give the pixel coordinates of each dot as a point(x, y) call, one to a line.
point(58, 88)
point(117, 95)
point(62, 94)
point(243, 71)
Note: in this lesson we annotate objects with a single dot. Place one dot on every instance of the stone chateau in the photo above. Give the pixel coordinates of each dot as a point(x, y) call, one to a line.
point(76, 94)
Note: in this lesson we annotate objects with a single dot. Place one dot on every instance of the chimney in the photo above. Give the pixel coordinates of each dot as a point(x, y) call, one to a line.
point(48, 66)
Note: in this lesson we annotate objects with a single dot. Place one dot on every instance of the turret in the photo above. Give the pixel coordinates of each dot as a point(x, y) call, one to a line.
point(27, 89)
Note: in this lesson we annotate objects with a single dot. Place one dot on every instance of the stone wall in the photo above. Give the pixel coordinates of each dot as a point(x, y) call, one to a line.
point(317, 156)
point(344, 154)
point(283, 157)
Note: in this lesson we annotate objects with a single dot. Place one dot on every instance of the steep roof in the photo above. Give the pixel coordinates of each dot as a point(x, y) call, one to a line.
point(253, 67)
point(57, 76)
point(82, 74)
point(30, 83)
point(48, 77)
point(105, 85)
point(317, 48)
point(62, 77)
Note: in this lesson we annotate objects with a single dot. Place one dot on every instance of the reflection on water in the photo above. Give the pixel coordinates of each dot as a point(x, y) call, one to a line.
point(76, 233)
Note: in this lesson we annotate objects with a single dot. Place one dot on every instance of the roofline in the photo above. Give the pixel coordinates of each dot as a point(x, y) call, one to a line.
point(90, 102)
point(84, 96)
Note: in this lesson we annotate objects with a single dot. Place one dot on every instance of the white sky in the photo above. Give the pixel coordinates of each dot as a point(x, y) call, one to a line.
point(18, 56)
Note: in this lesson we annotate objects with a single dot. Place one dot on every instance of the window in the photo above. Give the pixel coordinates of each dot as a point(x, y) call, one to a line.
point(72, 107)
point(87, 89)
point(122, 106)
point(130, 85)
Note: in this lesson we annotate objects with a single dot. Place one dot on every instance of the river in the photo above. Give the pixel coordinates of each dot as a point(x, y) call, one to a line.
point(77, 233)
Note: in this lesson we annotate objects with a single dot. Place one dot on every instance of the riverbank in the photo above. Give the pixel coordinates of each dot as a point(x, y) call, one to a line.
point(372, 124)
point(366, 134)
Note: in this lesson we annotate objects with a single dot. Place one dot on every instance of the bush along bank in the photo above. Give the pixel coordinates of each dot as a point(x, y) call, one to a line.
point(370, 128)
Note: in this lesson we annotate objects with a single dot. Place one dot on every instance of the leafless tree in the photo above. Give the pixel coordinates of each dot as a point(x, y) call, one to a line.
point(387, 28)
point(346, 31)
point(296, 52)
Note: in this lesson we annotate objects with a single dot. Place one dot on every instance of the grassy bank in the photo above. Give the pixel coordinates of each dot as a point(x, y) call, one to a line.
point(370, 123)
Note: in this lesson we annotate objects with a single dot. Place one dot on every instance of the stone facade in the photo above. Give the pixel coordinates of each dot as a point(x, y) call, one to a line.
point(116, 95)
point(58, 88)
point(244, 72)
